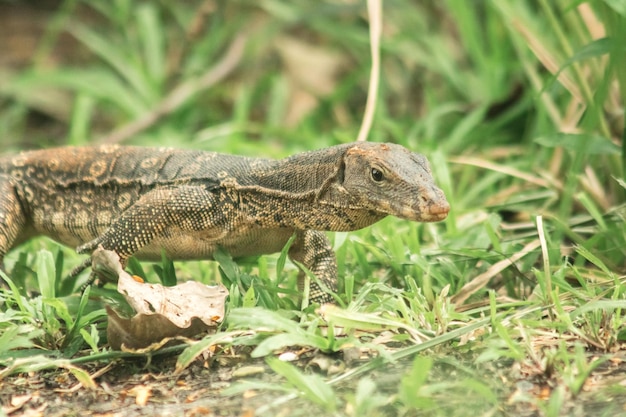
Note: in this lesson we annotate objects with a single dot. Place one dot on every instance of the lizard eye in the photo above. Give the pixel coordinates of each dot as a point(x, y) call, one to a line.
point(377, 175)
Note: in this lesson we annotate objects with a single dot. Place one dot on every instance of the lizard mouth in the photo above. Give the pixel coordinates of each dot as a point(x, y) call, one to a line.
point(429, 213)
point(433, 217)
point(437, 212)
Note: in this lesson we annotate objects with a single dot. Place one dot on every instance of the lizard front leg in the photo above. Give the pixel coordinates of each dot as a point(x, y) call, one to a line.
point(313, 250)
point(181, 208)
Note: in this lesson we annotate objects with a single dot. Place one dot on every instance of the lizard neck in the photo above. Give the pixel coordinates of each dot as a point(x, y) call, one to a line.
point(303, 173)
point(303, 192)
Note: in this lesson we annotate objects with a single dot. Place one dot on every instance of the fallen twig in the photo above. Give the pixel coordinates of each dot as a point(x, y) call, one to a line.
point(182, 93)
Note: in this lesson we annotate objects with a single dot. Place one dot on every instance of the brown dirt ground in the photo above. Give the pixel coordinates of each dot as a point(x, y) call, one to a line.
point(133, 387)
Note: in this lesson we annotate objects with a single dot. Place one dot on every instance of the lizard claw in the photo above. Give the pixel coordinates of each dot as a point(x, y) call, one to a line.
point(80, 268)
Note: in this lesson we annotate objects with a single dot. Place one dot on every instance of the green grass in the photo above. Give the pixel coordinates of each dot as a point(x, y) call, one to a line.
point(519, 108)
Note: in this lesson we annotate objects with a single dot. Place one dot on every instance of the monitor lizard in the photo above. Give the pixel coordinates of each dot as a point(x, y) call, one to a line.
point(140, 201)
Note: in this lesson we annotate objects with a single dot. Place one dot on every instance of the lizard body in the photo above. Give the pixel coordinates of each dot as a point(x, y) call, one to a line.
point(140, 201)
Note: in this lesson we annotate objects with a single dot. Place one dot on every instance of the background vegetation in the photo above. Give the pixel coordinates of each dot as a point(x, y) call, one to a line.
point(514, 304)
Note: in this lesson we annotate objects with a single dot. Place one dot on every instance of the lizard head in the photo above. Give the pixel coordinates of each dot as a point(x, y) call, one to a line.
point(391, 180)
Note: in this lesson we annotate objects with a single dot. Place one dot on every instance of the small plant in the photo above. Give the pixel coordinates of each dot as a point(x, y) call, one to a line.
point(53, 323)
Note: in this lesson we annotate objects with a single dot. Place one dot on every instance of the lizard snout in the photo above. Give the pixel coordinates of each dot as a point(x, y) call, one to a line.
point(432, 206)
point(438, 210)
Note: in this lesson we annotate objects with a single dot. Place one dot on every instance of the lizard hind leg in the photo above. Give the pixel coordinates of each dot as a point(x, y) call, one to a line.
point(313, 249)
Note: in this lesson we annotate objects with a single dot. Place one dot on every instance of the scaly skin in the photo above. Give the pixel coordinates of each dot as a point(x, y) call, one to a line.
point(138, 201)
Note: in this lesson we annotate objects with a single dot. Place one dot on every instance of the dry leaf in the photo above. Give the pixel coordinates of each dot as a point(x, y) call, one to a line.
point(163, 313)
point(146, 332)
point(180, 304)
point(142, 394)
point(17, 402)
point(247, 371)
